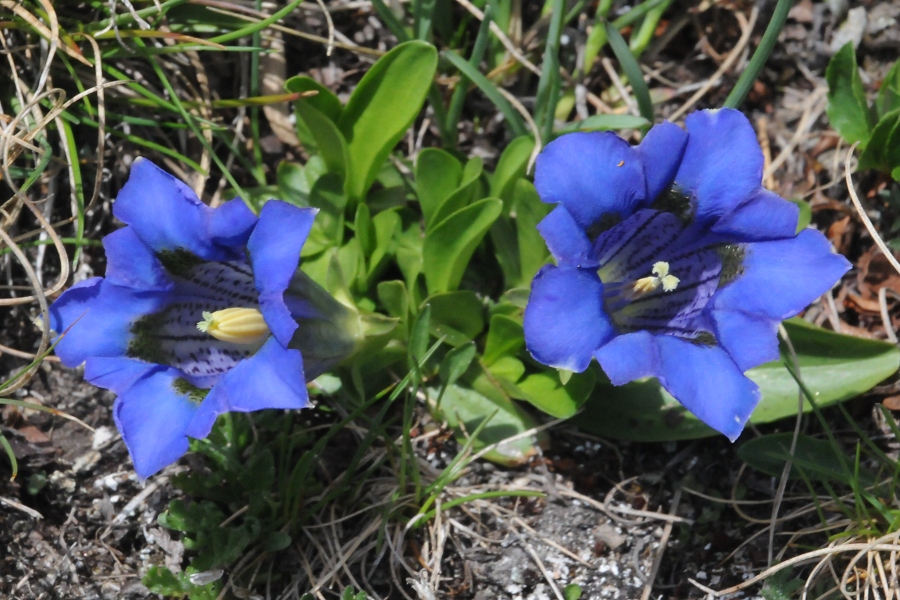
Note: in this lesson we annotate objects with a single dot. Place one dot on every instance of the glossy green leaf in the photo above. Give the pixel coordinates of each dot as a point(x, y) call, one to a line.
point(466, 407)
point(418, 337)
point(510, 168)
point(394, 299)
point(450, 245)
point(805, 216)
point(328, 195)
point(607, 123)
point(324, 100)
point(382, 107)
point(847, 110)
point(889, 94)
point(508, 370)
point(456, 363)
point(505, 338)
point(437, 177)
point(385, 226)
point(293, 186)
point(456, 316)
point(546, 392)
point(834, 367)
point(813, 458)
point(330, 142)
point(883, 149)
point(533, 252)
point(506, 250)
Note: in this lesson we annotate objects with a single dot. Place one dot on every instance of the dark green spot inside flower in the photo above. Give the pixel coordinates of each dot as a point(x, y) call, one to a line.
point(674, 201)
point(144, 345)
point(178, 262)
point(704, 338)
point(732, 257)
point(605, 223)
point(183, 387)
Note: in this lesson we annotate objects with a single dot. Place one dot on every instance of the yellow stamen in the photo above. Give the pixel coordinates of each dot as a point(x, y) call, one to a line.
point(235, 325)
point(660, 277)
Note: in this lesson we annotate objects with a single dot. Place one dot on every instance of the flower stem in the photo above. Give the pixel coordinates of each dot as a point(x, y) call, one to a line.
point(748, 77)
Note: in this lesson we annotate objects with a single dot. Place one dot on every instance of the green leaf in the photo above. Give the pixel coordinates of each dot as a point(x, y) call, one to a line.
point(324, 100)
point(607, 123)
point(889, 95)
point(293, 186)
point(533, 252)
point(572, 592)
point(382, 108)
point(418, 337)
point(394, 299)
point(805, 217)
point(362, 227)
point(546, 392)
point(464, 407)
point(330, 142)
point(505, 338)
point(457, 316)
point(883, 149)
point(437, 178)
point(847, 110)
point(835, 368)
point(276, 541)
point(510, 168)
point(385, 225)
point(456, 363)
point(510, 369)
point(813, 458)
point(450, 245)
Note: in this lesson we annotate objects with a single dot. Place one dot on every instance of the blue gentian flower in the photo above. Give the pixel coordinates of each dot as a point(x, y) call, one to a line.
point(672, 262)
point(202, 311)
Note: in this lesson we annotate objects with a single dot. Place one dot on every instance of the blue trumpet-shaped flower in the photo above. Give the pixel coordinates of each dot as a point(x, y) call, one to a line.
point(672, 262)
point(202, 311)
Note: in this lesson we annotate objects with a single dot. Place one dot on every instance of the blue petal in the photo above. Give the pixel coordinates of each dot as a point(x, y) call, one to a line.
point(660, 152)
point(165, 213)
point(749, 339)
point(782, 277)
point(131, 263)
point(628, 250)
point(565, 321)
point(232, 223)
point(271, 378)
point(116, 374)
point(100, 316)
point(629, 357)
point(591, 174)
point(722, 163)
point(765, 216)
point(567, 242)
point(152, 418)
point(274, 249)
point(708, 383)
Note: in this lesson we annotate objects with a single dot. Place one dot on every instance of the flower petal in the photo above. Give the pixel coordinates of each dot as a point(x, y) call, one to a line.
point(591, 174)
point(165, 213)
point(567, 241)
point(152, 417)
point(232, 223)
point(98, 316)
point(722, 163)
point(708, 383)
point(749, 339)
point(274, 249)
point(660, 152)
point(629, 357)
point(271, 378)
point(131, 263)
point(765, 216)
point(565, 321)
point(628, 250)
point(782, 277)
point(115, 373)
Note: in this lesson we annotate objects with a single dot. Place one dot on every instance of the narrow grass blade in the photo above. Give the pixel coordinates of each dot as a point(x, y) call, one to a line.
point(512, 117)
point(760, 56)
point(632, 71)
